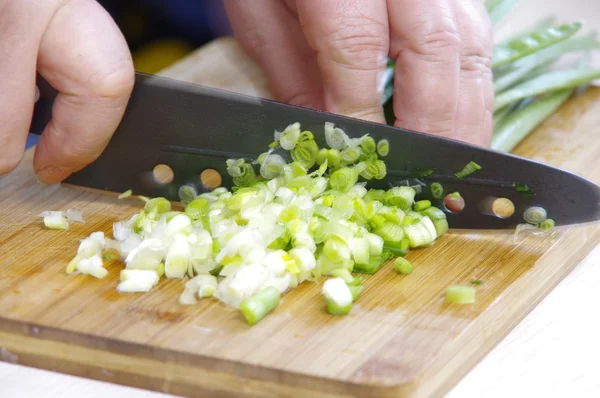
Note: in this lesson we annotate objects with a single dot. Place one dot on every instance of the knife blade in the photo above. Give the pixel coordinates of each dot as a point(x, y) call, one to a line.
point(191, 128)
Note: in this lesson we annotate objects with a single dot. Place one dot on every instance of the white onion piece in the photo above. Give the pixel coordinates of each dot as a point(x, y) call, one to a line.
point(137, 280)
point(336, 290)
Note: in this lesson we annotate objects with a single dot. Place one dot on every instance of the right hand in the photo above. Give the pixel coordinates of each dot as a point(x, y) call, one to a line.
point(79, 50)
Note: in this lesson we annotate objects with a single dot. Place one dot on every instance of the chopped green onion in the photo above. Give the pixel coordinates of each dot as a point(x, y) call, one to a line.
point(469, 169)
point(383, 148)
point(125, 194)
point(476, 282)
point(335, 309)
point(157, 205)
point(351, 155)
point(422, 173)
point(422, 205)
point(547, 224)
point(256, 307)
point(399, 249)
point(368, 144)
point(535, 215)
point(343, 179)
point(186, 193)
point(356, 290)
point(343, 273)
point(306, 153)
point(458, 294)
point(403, 266)
point(523, 190)
point(374, 264)
point(437, 190)
point(402, 197)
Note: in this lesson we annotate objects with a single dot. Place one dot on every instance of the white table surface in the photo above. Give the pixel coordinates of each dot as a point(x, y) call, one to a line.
point(553, 352)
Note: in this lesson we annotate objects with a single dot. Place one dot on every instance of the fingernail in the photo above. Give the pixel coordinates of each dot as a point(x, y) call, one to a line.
point(52, 174)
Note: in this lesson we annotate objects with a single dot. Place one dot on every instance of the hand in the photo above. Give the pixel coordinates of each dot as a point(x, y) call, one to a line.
point(330, 55)
point(78, 49)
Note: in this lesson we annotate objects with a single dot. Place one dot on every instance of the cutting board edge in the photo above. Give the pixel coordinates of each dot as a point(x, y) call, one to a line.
point(50, 338)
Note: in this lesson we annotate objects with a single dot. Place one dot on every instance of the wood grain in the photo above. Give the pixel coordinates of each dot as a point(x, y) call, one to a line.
point(400, 340)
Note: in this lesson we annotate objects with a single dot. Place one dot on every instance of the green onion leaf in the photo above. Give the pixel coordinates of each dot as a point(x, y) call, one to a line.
point(469, 169)
point(458, 294)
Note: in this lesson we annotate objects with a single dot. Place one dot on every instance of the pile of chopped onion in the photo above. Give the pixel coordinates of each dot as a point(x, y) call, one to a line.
point(296, 213)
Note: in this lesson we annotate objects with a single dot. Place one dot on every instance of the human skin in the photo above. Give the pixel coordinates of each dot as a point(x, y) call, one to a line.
point(322, 54)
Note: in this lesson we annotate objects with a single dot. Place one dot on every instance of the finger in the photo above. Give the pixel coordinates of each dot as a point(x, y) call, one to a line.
point(426, 45)
point(351, 39)
point(18, 50)
point(474, 115)
point(84, 56)
point(270, 33)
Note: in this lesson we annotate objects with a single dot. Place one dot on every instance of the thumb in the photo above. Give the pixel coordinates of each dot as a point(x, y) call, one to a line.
point(84, 56)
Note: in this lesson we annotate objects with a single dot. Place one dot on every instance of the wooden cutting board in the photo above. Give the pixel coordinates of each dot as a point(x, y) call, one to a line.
point(401, 339)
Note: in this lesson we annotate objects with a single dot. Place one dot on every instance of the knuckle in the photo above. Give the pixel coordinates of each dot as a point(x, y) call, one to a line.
point(433, 41)
point(476, 62)
point(304, 98)
point(353, 40)
point(114, 82)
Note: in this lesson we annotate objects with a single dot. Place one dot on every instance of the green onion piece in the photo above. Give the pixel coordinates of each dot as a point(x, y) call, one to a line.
point(523, 190)
point(402, 197)
point(306, 153)
point(351, 155)
point(256, 307)
point(422, 205)
point(274, 145)
point(335, 309)
point(197, 208)
point(343, 273)
point(422, 173)
point(322, 156)
point(419, 234)
point(398, 249)
point(144, 199)
point(441, 226)
point(157, 205)
point(381, 170)
point(356, 290)
point(547, 224)
point(535, 215)
point(434, 213)
point(375, 194)
point(56, 221)
point(383, 148)
point(390, 231)
point(368, 144)
point(469, 169)
point(458, 294)
point(403, 266)
point(246, 176)
point(437, 190)
point(336, 250)
point(125, 194)
point(372, 267)
point(343, 179)
point(333, 157)
point(187, 193)
point(476, 282)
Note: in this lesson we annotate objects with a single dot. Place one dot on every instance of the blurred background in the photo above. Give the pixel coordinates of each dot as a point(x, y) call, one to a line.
point(159, 32)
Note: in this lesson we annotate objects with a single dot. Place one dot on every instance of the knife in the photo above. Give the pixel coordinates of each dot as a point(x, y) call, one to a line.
point(192, 128)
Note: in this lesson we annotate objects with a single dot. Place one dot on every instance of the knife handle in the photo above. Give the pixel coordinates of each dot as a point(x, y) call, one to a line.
point(42, 111)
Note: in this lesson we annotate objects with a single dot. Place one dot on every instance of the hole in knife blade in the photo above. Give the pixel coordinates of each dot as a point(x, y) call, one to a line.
point(211, 178)
point(163, 174)
point(498, 207)
point(454, 202)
